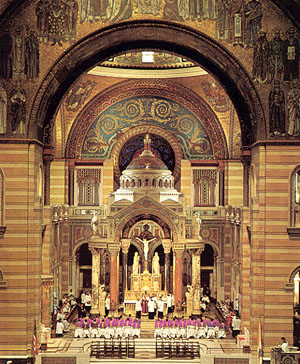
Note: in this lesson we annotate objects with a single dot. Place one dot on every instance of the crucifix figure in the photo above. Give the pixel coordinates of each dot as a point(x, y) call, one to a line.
point(146, 246)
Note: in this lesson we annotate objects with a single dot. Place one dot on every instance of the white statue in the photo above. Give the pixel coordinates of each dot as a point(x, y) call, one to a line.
point(94, 223)
point(102, 292)
point(146, 246)
point(136, 263)
point(155, 264)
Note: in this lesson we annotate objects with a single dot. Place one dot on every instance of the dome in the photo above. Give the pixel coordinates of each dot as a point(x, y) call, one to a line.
point(147, 160)
point(146, 171)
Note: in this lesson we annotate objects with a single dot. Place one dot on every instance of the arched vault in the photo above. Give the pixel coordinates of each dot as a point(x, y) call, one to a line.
point(143, 34)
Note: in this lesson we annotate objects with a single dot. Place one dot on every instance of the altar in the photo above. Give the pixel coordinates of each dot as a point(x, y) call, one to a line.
point(142, 284)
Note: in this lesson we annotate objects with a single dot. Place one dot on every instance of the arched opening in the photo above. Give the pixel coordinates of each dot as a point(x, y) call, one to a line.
point(133, 35)
point(297, 308)
point(85, 267)
point(160, 251)
point(131, 252)
point(207, 268)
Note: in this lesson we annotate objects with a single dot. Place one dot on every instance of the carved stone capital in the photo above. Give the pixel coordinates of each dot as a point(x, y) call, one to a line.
point(94, 251)
point(167, 244)
point(178, 253)
point(246, 156)
point(114, 252)
point(125, 244)
point(48, 154)
point(197, 252)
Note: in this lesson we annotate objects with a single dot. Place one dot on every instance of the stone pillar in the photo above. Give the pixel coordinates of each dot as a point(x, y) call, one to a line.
point(215, 275)
point(196, 267)
point(114, 291)
point(124, 274)
point(47, 283)
point(221, 183)
point(102, 268)
point(71, 182)
point(246, 160)
point(220, 279)
point(167, 250)
point(72, 277)
point(178, 279)
point(196, 279)
point(125, 247)
point(47, 158)
point(95, 279)
point(77, 275)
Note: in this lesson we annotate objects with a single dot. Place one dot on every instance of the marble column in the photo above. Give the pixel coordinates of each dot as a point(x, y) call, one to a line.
point(77, 275)
point(114, 291)
point(125, 244)
point(124, 274)
point(196, 280)
point(221, 183)
point(196, 268)
point(95, 279)
point(102, 267)
point(167, 250)
point(71, 181)
point(178, 279)
point(167, 271)
point(72, 273)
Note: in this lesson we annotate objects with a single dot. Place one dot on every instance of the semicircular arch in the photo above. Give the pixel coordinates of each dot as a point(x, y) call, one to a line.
point(78, 244)
point(99, 130)
point(141, 34)
point(134, 213)
point(293, 274)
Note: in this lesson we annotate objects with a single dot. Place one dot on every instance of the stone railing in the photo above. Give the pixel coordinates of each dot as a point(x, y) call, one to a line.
point(290, 357)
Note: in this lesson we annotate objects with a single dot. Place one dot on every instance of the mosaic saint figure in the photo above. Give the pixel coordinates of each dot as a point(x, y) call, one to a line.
point(93, 10)
point(277, 110)
point(71, 15)
point(18, 109)
point(223, 22)
point(293, 105)
point(18, 54)
point(42, 14)
point(56, 22)
point(253, 14)
point(31, 56)
point(237, 20)
point(261, 59)
point(276, 56)
point(209, 9)
point(3, 110)
point(291, 56)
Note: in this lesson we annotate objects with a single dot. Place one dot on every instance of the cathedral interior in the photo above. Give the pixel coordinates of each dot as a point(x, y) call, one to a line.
point(149, 128)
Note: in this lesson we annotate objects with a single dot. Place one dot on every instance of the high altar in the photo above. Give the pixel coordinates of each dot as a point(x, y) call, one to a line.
point(142, 284)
